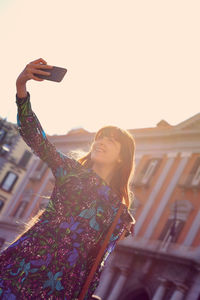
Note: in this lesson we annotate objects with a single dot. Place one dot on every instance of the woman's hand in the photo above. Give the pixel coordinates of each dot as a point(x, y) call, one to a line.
point(30, 72)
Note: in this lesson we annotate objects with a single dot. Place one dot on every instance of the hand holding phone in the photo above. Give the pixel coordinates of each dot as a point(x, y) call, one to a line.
point(56, 74)
point(38, 70)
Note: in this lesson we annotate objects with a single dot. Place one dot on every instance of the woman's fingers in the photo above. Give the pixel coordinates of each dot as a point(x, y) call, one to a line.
point(39, 61)
point(40, 66)
point(38, 71)
point(37, 78)
point(32, 70)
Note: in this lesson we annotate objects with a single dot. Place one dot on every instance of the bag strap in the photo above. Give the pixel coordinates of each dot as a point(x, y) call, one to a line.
point(100, 254)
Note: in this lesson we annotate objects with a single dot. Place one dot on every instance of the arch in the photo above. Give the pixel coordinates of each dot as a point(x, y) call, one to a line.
point(138, 294)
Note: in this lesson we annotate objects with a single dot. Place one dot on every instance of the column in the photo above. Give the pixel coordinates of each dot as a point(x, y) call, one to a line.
point(195, 288)
point(193, 230)
point(116, 291)
point(104, 283)
point(179, 293)
point(160, 292)
point(106, 278)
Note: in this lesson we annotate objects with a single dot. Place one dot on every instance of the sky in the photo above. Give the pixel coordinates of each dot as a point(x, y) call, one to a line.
point(130, 63)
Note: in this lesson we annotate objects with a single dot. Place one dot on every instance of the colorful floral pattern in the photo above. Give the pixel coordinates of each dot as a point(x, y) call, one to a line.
point(53, 258)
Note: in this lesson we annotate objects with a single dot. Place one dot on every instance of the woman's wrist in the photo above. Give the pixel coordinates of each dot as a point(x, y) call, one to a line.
point(21, 90)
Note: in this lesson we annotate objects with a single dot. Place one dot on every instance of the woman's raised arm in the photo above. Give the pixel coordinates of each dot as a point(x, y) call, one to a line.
point(29, 126)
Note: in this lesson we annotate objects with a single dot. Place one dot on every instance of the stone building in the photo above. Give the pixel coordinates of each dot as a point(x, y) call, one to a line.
point(15, 162)
point(162, 260)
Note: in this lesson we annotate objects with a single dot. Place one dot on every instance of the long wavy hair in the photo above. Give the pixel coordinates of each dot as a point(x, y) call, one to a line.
point(124, 170)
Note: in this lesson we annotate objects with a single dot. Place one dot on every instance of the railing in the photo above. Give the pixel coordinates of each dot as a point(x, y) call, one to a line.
point(156, 246)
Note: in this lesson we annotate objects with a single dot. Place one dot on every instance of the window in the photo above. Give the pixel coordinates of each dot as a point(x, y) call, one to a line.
point(40, 170)
point(192, 180)
point(171, 231)
point(20, 209)
point(9, 181)
point(147, 172)
point(4, 149)
point(2, 240)
point(179, 213)
point(1, 204)
point(196, 177)
point(2, 134)
point(25, 159)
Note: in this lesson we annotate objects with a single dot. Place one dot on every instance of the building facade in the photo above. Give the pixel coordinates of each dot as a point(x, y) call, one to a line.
point(15, 162)
point(162, 260)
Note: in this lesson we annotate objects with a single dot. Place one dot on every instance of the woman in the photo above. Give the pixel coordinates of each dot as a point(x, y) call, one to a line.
point(53, 258)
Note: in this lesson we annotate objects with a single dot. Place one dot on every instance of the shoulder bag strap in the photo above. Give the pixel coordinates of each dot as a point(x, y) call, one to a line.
point(100, 254)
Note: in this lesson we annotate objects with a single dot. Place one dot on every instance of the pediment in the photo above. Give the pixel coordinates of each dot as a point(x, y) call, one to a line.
point(192, 123)
point(193, 126)
point(77, 131)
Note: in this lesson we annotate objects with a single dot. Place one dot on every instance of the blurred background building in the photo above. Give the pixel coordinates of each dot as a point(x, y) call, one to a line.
point(15, 165)
point(162, 260)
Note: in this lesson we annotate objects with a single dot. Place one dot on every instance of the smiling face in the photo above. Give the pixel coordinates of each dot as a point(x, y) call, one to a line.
point(112, 158)
point(106, 150)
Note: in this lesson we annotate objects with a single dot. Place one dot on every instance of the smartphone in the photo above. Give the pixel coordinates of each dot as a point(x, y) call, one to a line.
point(57, 74)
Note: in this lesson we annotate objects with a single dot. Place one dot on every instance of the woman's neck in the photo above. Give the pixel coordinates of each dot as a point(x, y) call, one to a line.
point(105, 172)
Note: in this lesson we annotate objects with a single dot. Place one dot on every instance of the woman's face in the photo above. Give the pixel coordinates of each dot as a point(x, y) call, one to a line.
point(106, 150)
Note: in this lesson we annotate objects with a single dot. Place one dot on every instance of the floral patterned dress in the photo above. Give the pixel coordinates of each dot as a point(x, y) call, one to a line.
point(54, 257)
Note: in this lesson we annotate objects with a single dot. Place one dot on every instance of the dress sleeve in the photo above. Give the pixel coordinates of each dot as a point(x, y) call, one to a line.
point(35, 137)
